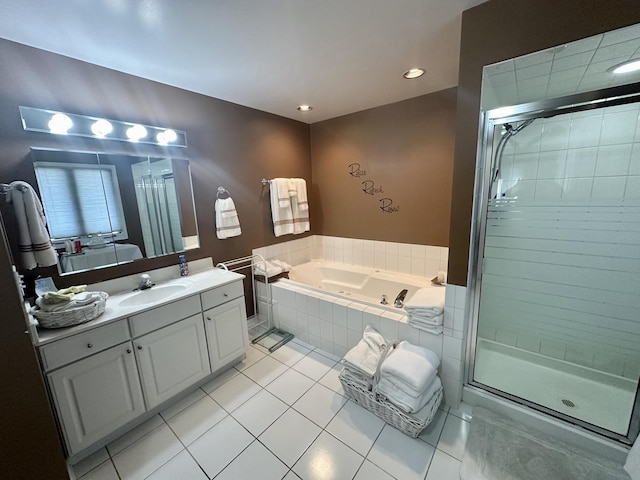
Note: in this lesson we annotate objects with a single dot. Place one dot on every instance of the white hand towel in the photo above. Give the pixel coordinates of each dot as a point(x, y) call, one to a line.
point(34, 243)
point(431, 298)
point(300, 185)
point(282, 191)
point(300, 215)
point(632, 465)
point(227, 222)
point(406, 402)
point(282, 216)
point(411, 364)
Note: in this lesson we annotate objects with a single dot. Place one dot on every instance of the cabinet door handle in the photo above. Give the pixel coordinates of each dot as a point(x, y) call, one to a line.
point(225, 295)
point(89, 345)
point(209, 318)
point(128, 350)
point(139, 347)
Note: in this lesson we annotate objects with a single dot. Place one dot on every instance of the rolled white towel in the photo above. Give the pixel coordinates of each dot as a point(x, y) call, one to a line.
point(416, 366)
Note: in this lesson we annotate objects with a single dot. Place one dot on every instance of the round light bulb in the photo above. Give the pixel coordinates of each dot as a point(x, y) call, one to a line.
point(136, 132)
point(60, 123)
point(413, 73)
point(305, 108)
point(101, 128)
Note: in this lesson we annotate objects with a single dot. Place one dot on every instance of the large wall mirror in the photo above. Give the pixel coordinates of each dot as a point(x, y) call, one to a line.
point(118, 208)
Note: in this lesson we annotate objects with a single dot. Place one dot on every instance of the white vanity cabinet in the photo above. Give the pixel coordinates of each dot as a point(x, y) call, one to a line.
point(96, 395)
point(227, 336)
point(105, 376)
point(172, 359)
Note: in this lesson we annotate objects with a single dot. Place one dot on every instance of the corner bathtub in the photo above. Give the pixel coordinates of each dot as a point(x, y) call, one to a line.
point(366, 285)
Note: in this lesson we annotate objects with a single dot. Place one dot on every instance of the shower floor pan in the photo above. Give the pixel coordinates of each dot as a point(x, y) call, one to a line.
point(592, 396)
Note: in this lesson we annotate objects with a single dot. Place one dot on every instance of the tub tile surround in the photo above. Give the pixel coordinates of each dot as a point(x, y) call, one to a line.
point(336, 324)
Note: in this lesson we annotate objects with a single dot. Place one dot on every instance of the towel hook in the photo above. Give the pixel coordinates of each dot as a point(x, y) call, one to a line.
point(222, 191)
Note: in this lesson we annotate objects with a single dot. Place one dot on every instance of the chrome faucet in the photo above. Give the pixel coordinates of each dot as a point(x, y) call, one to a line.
point(384, 300)
point(399, 301)
point(145, 282)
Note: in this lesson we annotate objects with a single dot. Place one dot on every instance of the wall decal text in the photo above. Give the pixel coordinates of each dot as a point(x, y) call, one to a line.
point(354, 170)
point(369, 187)
point(386, 205)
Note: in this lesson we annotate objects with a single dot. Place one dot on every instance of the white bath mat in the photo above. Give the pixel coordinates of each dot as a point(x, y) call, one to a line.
point(500, 449)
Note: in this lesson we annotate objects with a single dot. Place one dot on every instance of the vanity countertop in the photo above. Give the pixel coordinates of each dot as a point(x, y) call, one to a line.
point(195, 283)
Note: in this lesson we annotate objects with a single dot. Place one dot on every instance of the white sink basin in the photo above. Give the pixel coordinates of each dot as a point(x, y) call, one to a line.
point(153, 295)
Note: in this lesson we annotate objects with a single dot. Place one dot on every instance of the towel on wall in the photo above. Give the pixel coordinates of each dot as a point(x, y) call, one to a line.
point(281, 186)
point(34, 243)
point(282, 216)
point(227, 222)
point(299, 205)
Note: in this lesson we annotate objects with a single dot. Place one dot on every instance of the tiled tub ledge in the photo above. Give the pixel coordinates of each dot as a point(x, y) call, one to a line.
point(335, 324)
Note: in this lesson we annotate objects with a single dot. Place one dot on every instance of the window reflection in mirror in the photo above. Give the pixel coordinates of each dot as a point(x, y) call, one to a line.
point(120, 208)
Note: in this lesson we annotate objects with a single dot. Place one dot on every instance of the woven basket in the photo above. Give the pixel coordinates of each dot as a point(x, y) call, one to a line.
point(387, 411)
point(72, 316)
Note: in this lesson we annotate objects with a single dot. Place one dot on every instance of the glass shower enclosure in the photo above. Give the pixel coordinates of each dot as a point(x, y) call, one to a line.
point(557, 290)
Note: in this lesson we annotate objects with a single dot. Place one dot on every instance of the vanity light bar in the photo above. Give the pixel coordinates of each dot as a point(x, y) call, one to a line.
point(61, 123)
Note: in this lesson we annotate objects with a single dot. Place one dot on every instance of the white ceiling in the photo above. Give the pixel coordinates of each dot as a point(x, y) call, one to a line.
point(340, 56)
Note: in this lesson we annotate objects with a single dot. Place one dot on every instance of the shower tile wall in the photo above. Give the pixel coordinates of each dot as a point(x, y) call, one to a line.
point(592, 155)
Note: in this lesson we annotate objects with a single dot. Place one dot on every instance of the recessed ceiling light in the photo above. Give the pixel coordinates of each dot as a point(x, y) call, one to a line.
point(413, 73)
point(305, 108)
point(626, 67)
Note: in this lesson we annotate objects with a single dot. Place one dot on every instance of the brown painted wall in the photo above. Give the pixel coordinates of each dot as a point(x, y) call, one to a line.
point(496, 31)
point(29, 446)
point(405, 148)
point(229, 145)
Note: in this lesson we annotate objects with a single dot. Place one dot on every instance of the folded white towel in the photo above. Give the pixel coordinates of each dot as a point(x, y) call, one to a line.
point(34, 243)
point(406, 402)
point(365, 356)
point(271, 269)
point(227, 222)
point(284, 265)
point(429, 298)
point(300, 186)
point(299, 208)
point(435, 329)
point(425, 312)
point(427, 321)
point(282, 191)
point(632, 465)
point(415, 366)
point(282, 215)
point(78, 300)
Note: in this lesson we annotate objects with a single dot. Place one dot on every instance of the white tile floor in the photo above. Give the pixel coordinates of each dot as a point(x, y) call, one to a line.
point(279, 416)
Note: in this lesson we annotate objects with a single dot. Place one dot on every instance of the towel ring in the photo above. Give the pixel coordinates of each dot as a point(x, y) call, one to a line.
point(223, 191)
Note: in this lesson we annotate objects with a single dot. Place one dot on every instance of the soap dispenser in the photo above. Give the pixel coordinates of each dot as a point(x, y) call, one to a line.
point(184, 266)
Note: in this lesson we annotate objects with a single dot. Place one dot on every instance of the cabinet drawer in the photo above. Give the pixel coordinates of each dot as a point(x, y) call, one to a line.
point(222, 294)
point(73, 348)
point(162, 316)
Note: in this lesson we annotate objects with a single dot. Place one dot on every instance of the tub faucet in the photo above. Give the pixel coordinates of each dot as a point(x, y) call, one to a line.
point(399, 301)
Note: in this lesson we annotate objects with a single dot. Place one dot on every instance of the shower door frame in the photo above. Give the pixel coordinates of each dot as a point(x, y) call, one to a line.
point(482, 188)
